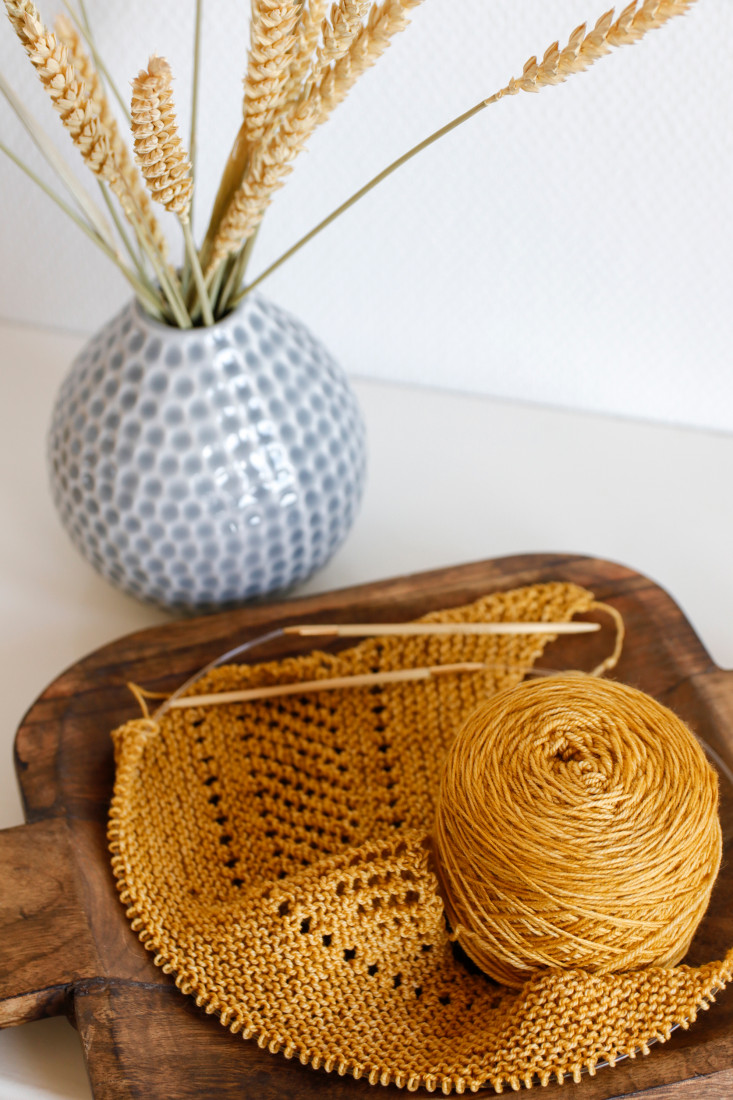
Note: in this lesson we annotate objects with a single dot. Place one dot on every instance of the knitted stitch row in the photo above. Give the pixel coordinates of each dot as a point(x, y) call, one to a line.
point(274, 857)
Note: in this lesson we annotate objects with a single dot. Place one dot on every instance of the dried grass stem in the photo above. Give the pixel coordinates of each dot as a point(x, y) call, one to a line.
point(271, 161)
point(583, 49)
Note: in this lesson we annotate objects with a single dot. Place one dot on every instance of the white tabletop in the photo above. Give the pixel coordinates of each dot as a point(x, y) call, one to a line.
point(452, 479)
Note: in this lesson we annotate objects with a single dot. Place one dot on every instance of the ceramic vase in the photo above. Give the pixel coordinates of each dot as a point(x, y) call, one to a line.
point(199, 469)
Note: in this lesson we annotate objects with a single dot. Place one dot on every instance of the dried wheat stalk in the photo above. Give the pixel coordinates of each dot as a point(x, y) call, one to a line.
point(384, 22)
point(268, 170)
point(301, 65)
point(67, 33)
point(272, 44)
point(16, 14)
point(272, 159)
point(50, 59)
point(163, 161)
point(125, 183)
point(339, 31)
point(309, 35)
point(166, 166)
point(585, 47)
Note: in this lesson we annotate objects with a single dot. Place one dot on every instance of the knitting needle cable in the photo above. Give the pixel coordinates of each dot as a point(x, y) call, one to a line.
point(223, 658)
point(175, 701)
point(404, 629)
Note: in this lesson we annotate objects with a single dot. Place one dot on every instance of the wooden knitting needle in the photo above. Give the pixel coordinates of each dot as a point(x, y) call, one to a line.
point(362, 630)
point(366, 679)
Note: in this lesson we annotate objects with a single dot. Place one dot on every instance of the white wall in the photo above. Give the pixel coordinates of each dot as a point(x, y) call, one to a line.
point(571, 248)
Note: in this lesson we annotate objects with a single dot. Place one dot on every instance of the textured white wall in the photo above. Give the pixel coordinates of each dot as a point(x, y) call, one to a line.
point(572, 248)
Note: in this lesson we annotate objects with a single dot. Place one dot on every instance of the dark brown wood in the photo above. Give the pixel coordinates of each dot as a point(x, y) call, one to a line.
point(65, 944)
point(45, 941)
point(719, 1086)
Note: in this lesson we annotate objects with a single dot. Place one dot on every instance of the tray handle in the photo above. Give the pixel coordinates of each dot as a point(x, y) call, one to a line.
point(45, 940)
point(713, 722)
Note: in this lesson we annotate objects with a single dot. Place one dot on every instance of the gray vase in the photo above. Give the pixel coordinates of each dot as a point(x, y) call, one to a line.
point(201, 468)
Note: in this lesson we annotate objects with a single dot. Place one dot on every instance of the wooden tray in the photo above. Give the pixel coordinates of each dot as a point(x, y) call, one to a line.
point(65, 944)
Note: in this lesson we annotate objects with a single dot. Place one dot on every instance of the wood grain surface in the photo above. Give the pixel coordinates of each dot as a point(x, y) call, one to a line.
point(65, 944)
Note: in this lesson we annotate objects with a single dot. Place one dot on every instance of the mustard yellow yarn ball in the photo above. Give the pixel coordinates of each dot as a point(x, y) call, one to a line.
point(577, 827)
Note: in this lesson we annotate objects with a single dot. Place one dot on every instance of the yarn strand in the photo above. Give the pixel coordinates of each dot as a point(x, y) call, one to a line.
point(577, 827)
point(274, 856)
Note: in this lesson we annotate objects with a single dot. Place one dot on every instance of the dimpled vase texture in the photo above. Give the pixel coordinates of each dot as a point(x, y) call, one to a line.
point(205, 467)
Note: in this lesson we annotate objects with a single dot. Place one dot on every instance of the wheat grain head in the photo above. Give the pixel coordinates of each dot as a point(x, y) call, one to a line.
point(586, 47)
point(308, 37)
point(163, 161)
point(17, 10)
point(68, 94)
point(267, 172)
point(272, 159)
point(339, 30)
point(125, 181)
point(272, 44)
point(369, 44)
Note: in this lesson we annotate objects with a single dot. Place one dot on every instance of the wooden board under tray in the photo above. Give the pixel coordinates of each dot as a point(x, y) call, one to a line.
point(66, 946)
